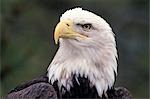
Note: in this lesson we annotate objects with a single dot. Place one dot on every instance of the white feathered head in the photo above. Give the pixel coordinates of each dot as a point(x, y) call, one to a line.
point(87, 48)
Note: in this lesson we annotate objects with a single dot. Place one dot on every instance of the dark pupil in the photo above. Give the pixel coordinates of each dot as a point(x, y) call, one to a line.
point(87, 26)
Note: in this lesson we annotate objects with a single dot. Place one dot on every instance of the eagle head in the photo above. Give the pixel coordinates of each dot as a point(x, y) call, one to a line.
point(87, 48)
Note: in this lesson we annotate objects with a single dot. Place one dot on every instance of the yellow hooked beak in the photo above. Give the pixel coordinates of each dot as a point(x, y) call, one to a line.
point(64, 29)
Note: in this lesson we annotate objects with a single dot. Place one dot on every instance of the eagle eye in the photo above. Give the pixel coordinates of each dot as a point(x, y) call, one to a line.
point(86, 26)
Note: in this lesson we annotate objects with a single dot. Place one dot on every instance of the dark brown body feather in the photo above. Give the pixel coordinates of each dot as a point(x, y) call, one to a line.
point(40, 88)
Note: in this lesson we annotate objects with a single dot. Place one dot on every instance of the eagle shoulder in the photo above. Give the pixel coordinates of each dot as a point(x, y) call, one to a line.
point(38, 88)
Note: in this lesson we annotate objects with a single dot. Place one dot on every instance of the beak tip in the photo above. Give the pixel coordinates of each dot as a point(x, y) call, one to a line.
point(56, 41)
point(56, 38)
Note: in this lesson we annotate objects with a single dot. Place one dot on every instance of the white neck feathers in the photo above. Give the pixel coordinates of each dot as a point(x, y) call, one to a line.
point(97, 63)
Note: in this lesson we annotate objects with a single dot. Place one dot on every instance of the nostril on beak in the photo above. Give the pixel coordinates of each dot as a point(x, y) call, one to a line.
point(67, 24)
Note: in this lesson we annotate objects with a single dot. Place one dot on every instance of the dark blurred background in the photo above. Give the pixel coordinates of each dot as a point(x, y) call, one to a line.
point(27, 45)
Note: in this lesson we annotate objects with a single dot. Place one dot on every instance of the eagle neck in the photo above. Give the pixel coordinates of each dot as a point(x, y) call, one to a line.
point(88, 62)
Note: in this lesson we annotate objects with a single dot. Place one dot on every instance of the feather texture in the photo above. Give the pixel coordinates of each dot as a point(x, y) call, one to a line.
point(93, 58)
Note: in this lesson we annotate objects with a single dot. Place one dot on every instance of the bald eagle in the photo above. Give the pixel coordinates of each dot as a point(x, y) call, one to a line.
point(85, 65)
